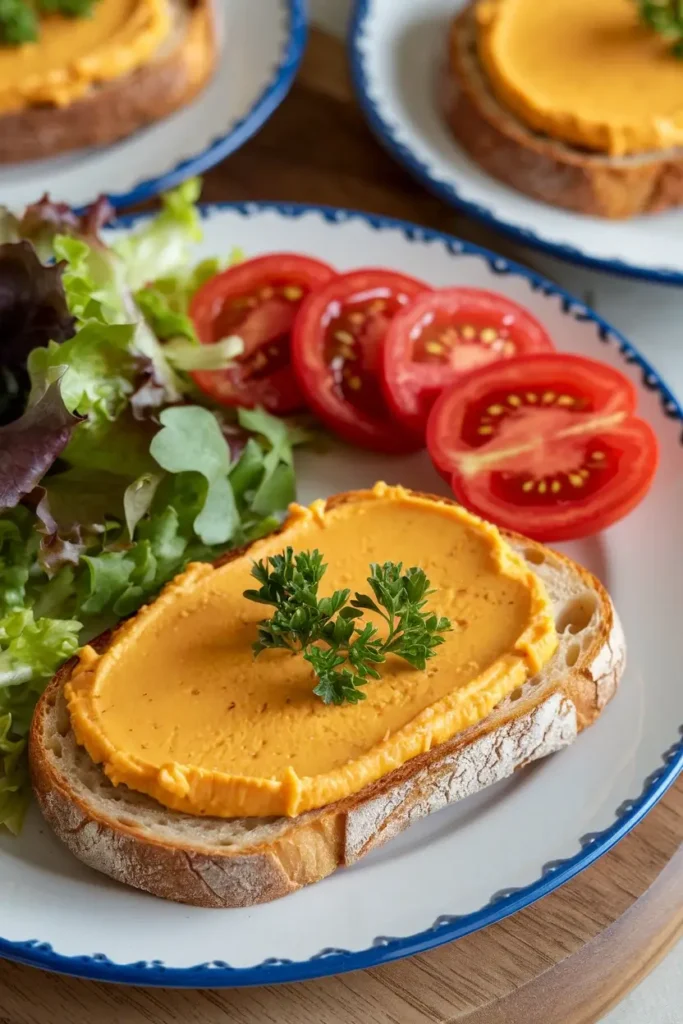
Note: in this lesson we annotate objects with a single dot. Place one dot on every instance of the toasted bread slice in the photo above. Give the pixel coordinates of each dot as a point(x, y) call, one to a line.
point(113, 110)
point(542, 167)
point(217, 862)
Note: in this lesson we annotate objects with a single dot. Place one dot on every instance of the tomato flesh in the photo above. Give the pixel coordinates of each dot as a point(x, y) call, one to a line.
point(257, 300)
point(443, 335)
point(337, 347)
point(546, 445)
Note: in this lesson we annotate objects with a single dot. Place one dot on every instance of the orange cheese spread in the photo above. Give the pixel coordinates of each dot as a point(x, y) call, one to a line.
point(73, 54)
point(178, 707)
point(587, 72)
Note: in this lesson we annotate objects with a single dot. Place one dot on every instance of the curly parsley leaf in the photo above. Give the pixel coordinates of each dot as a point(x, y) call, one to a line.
point(666, 18)
point(343, 653)
point(18, 23)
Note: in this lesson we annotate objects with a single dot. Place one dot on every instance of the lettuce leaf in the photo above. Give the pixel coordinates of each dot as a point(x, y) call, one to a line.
point(119, 446)
point(165, 301)
point(99, 369)
point(33, 311)
point(163, 246)
point(42, 221)
point(18, 549)
point(33, 307)
point(167, 321)
point(138, 498)
point(31, 650)
point(191, 441)
point(100, 295)
point(30, 445)
point(15, 790)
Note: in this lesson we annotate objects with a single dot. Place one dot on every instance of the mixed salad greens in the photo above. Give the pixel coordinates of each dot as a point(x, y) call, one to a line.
point(113, 476)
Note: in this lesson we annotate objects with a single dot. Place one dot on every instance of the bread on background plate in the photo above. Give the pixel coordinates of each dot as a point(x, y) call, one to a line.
point(113, 108)
point(541, 166)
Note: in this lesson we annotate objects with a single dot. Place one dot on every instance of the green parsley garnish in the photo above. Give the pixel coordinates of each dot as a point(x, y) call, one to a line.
point(19, 18)
point(67, 8)
point(665, 17)
point(18, 22)
point(343, 652)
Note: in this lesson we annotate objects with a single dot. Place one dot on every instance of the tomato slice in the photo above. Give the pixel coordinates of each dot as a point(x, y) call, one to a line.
point(546, 445)
point(257, 300)
point(441, 336)
point(337, 355)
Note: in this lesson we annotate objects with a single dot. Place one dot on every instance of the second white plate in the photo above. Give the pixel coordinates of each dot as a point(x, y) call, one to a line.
point(398, 52)
point(261, 45)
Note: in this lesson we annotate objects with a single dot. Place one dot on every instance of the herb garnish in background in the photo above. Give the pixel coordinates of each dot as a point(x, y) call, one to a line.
point(19, 18)
point(343, 653)
point(665, 17)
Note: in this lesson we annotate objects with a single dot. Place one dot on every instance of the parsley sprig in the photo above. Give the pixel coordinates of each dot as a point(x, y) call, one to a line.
point(19, 18)
point(343, 653)
point(665, 17)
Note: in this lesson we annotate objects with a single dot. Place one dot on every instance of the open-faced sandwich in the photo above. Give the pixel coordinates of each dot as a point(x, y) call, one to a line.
point(208, 755)
point(574, 102)
point(76, 73)
point(227, 694)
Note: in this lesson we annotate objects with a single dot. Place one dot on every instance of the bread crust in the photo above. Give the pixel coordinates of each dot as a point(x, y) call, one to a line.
point(308, 848)
point(542, 167)
point(114, 110)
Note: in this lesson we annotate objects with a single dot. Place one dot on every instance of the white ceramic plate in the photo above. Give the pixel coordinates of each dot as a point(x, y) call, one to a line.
point(397, 53)
point(472, 863)
point(261, 46)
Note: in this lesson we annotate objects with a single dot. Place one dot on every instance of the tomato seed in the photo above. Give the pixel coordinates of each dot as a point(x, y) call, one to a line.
point(345, 337)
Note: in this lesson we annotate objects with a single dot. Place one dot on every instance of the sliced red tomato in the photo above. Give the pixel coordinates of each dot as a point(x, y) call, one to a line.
point(257, 300)
point(546, 445)
point(442, 335)
point(337, 355)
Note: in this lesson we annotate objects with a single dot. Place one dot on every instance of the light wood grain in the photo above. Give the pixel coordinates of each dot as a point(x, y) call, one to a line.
point(567, 959)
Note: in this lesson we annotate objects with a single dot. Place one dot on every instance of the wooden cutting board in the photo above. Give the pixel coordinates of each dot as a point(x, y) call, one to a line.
point(568, 958)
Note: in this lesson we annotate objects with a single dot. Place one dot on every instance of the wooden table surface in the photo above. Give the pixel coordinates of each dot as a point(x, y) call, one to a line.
point(568, 958)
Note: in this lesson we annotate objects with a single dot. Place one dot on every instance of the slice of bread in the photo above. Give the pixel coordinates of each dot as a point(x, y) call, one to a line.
point(542, 167)
point(214, 862)
point(113, 110)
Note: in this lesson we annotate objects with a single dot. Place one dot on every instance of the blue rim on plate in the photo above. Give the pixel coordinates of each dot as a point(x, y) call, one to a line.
point(446, 928)
point(222, 146)
point(386, 135)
